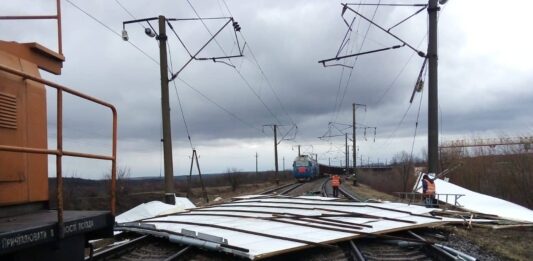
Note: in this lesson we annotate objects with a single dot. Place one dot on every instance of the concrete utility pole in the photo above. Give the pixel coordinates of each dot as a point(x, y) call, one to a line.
point(354, 152)
point(165, 109)
point(256, 169)
point(276, 152)
point(347, 153)
point(433, 90)
point(283, 163)
point(353, 140)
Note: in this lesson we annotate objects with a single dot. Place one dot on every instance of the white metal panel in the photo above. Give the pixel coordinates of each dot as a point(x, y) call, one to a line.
point(257, 231)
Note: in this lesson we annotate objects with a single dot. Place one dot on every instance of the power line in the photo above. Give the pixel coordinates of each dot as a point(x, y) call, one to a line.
point(157, 62)
point(261, 69)
point(265, 78)
point(355, 61)
point(219, 106)
point(337, 95)
point(179, 100)
point(113, 31)
point(399, 123)
point(234, 67)
point(128, 12)
point(269, 84)
point(170, 70)
point(392, 84)
point(416, 127)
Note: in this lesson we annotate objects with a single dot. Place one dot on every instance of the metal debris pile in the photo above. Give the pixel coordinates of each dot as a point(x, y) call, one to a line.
point(257, 227)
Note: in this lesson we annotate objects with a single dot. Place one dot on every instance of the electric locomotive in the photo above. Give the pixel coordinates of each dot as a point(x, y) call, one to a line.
point(305, 168)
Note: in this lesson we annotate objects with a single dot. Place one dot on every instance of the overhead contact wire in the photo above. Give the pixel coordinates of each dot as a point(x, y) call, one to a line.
point(179, 100)
point(157, 62)
point(234, 67)
point(356, 59)
point(113, 31)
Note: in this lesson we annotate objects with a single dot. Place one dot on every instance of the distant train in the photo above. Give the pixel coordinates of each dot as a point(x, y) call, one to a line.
point(305, 168)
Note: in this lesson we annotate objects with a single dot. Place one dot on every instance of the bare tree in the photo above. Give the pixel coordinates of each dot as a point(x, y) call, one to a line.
point(403, 159)
point(233, 178)
point(123, 174)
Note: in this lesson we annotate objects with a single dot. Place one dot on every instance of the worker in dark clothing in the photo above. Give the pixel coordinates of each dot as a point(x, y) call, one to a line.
point(428, 191)
point(335, 183)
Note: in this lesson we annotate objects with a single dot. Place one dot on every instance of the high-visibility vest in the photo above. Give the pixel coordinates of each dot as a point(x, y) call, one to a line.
point(335, 181)
point(430, 186)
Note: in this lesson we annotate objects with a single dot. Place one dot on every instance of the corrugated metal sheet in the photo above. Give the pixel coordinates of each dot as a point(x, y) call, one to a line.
point(258, 227)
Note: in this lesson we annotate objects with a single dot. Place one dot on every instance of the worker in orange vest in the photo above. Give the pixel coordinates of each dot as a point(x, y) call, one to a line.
point(428, 190)
point(335, 183)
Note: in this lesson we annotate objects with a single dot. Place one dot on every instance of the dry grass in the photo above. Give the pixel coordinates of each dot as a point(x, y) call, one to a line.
point(365, 192)
point(511, 244)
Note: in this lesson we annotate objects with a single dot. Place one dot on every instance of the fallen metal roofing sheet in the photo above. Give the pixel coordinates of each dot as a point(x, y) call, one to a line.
point(260, 227)
point(481, 203)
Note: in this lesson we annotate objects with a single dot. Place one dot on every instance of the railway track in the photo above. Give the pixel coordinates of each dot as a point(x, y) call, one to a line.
point(327, 191)
point(406, 245)
point(282, 190)
point(141, 248)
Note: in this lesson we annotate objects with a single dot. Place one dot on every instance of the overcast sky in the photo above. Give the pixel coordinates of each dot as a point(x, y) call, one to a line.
point(485, 79)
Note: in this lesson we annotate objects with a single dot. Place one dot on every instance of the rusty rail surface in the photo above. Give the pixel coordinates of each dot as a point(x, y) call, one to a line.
point(59, 152)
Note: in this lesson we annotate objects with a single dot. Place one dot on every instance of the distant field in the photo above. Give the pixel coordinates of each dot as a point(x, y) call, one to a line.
point(83, 194)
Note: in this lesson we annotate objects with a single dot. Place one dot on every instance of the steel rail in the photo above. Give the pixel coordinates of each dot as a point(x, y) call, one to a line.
point(441, 254)
point(347, 194)
point(358, 256)
point(178, 254)
point(59, 152)
point(286, 191)
point(115, 250)
point(276, 188)
point(323, 189)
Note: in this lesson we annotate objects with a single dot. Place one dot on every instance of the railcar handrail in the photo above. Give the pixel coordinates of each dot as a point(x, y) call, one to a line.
point(59, 152)
point(413, 196)
point(56, 17)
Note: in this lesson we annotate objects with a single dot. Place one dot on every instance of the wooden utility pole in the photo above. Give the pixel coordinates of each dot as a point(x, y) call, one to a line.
point(194, 157)
point(433, 99)
point(165, 109)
